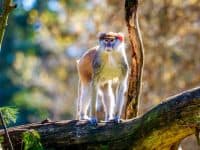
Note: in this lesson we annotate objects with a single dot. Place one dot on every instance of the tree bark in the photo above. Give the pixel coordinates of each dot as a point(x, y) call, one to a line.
point(6, 9)
point(161, 127)
point(137, 58)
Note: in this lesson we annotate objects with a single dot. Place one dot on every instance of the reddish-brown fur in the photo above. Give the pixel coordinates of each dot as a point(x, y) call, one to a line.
point(97, 68)
point(84, 66)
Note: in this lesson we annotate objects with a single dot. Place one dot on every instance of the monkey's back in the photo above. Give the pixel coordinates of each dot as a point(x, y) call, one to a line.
point(84, 65)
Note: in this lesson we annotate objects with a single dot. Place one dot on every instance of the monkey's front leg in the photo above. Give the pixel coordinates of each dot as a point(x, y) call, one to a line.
point(120, 99)
point(93, 118)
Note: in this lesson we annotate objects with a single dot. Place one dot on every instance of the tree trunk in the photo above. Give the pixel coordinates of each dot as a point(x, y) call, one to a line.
point(6, 8)
point(159, 128)
point(137, 58)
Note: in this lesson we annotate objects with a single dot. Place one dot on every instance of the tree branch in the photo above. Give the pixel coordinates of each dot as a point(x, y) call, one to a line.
point(135, 77)
point(165, 124)
point(7, 8)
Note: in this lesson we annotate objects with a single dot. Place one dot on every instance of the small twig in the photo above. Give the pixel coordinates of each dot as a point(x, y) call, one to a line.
point(6, 131)
point(197, 131)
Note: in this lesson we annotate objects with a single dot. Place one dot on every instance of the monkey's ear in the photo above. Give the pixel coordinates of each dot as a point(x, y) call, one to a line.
point(120, 36)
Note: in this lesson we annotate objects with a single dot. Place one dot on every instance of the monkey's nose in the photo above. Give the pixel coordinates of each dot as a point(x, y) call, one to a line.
point(109, 44)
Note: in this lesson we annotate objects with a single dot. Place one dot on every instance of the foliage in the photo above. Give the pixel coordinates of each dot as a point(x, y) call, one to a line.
point(1, 140)
point(104, 147)
point(36, 107)
point(31, 140)
point(9, 114)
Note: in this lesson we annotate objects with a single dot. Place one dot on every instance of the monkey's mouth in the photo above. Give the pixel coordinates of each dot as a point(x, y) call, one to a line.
point(109, 49)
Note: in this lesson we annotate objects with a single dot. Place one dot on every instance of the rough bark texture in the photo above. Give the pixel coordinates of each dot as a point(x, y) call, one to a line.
point(135, 77)
point(161, 127)
point(7, 8)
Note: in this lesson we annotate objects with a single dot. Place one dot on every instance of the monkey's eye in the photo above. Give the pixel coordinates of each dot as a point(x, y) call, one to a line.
point(111, 40)
point(105, 40)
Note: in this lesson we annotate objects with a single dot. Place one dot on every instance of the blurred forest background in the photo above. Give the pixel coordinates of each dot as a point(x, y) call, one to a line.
point(45, 37)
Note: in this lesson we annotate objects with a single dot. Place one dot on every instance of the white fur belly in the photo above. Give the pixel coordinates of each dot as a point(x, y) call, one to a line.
point(111, 69)
point(110, 73)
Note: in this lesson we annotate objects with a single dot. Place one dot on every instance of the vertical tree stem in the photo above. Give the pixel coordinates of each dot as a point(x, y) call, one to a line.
point(6, 131)
point(7, 8)
point(137, 59)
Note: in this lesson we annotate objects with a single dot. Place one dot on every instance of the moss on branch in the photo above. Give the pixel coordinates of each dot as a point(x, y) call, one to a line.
point(7, 8)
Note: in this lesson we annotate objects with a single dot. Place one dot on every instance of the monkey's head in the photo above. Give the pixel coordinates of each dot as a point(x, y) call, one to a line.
point(111, 41)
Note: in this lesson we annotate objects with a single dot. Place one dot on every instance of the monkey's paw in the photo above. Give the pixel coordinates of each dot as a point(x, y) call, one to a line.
point(117, 119)
point(93, 121)
point(83, 117)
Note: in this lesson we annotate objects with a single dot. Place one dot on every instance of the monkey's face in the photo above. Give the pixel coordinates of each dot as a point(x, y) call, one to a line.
point(110, 41)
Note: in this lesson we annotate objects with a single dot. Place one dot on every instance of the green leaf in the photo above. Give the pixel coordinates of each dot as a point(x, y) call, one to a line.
point(31, 140)
point(9, 114)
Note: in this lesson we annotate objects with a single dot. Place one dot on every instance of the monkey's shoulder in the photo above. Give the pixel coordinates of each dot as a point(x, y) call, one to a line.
point(87, 58)
point(90, 53)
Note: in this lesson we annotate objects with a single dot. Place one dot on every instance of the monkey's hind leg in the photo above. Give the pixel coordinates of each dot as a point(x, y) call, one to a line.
point(108, 101)
point(120, 100)
point(85, 96)
point(93, 118)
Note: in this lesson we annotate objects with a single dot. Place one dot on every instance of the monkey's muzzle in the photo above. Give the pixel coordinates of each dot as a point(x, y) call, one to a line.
point(108, 49)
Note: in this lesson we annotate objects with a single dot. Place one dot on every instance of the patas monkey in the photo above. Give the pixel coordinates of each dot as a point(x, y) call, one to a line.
point(99, 69)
